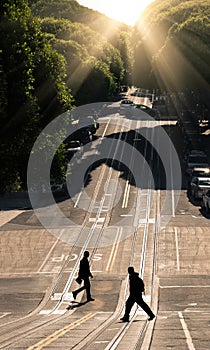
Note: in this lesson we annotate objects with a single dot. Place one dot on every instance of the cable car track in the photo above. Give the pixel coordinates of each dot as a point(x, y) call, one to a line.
point(114, 317)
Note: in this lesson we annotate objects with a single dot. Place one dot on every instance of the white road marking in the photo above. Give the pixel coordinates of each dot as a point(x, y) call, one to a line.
point(96, 219)
point(56, 312)
point(114, 250)
point(5, 314)
point(50, 251)
point(58, 296)
point(113, 329)
point(146, 220)
point(96, 271)
point(186, 332)
point(126, 195)
point(101, 342)
point(126, 215)
point(177, 250)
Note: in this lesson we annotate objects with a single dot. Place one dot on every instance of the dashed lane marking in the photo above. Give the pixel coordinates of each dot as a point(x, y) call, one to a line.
point(186, 332)
point(56, 312)
point(96, 219)
point(145, 221)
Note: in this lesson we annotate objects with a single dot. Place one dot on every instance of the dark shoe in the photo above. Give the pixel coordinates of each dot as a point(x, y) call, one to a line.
point(124, 319)
point(151, 318)
point(74, 295)
point(90, 299)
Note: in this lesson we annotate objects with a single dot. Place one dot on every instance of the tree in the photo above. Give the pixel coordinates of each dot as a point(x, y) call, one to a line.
point(96, 83)
point(28, 67)
point(176, 38)
point(123, 44)
point(82, 48)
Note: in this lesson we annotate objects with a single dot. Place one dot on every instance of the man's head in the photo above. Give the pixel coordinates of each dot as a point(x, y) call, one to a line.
point(130, 270)
point(86, 254)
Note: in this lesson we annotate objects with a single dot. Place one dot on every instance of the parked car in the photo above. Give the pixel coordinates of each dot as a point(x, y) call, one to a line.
point(196, 159)
point(187, 116)
point(199, 186)
point(92, 126)
point(126, 103)
point(161, 105)
point(195, 151)
point(201, 172)
point(206, 201)
point(188, 125)
point(72, 147)
point(124, 88)
point(82, 135)
point(154, 112)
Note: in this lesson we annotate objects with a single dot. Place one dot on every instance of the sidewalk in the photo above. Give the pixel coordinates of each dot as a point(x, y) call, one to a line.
point(6, 216)
point(12, 205)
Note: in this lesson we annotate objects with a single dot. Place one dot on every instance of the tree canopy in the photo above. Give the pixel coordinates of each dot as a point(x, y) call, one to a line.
point(55, 53)
point(174, 40)
point(33, 90)
point(86, 51)
point(49, 52)
point(82, 36)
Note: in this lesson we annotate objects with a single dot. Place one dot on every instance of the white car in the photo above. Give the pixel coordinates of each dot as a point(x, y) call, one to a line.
point(201, 172)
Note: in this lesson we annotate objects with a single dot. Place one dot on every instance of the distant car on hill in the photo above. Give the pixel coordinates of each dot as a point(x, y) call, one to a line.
point(126, 103)
point(151, 111)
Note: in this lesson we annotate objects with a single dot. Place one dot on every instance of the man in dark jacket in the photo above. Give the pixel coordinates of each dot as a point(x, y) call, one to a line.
point(136, 290)
point(84, 274)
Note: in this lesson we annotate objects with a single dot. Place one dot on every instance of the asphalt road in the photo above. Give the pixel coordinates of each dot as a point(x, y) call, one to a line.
point(128, 213)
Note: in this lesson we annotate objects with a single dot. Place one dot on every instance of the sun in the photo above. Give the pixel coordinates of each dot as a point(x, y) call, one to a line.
point(123, 11)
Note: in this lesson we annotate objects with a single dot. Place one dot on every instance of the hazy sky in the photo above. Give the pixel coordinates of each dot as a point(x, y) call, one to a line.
point(121, 10)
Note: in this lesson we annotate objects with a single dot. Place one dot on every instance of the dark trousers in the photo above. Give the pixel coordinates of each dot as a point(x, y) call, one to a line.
point(137, 299)
point(85, 286)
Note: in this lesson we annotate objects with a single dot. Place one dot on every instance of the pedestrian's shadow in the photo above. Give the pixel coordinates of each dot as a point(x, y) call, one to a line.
point(133, 321)
point(75, 305)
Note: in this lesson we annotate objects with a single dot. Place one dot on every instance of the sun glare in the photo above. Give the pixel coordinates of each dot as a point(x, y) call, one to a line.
point(123, 11)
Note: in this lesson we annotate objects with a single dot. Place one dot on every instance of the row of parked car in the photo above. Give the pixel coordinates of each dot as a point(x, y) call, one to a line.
point(199, 186)
point(153, 112)
point(198, 170)
point(190, 127)
point(85, 128)
point(196, 159)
